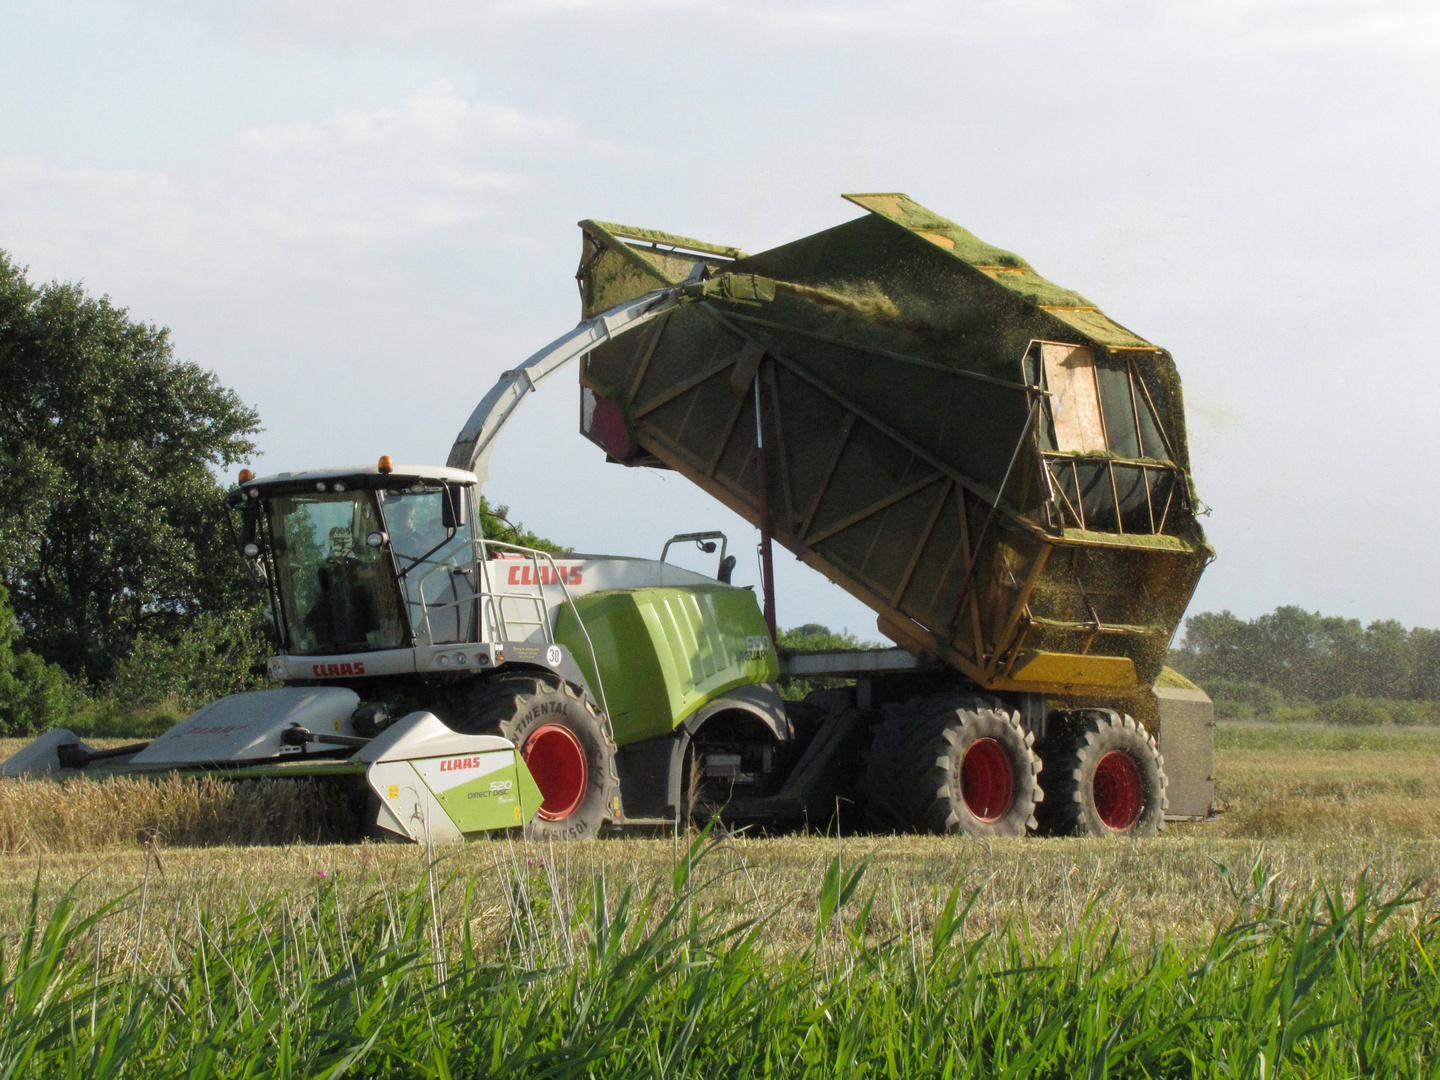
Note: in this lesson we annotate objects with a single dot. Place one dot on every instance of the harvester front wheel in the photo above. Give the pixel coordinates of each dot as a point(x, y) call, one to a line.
point(564, 744)
point(1104, 777)
point(952, 764)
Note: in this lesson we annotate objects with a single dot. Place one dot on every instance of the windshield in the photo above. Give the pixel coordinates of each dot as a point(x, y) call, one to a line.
point(435, 559)
point(337, 591)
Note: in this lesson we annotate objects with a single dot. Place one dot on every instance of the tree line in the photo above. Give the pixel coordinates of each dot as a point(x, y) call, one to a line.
point(1305, 656)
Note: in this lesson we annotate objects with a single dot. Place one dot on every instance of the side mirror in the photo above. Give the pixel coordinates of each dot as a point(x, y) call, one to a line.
point(452, 509)
point(708, 547)
point(375, 539)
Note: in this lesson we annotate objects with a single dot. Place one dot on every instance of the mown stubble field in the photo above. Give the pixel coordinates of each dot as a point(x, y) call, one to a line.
point(1311, 806)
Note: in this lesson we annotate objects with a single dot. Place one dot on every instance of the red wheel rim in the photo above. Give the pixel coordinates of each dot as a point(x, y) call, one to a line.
point(556, 760)
point(987, 780)
point(1119, 791)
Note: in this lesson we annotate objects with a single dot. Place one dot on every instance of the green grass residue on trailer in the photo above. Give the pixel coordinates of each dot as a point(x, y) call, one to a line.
point(1173, 679)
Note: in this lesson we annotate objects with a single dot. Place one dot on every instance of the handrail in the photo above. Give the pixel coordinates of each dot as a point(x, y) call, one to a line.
point(487, 593)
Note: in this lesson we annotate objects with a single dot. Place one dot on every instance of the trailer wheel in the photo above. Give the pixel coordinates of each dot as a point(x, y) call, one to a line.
point(952, 764)
point(564, 744)
point(1105, 777)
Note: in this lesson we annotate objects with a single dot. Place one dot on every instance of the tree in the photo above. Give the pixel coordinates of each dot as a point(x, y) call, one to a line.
point(813, 637)
point(113, 525)
point(496, 525)
point(1426, 644)
point(1388, 669)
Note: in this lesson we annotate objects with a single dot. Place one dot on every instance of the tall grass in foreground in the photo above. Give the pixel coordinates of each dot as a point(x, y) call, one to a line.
point(606, 983)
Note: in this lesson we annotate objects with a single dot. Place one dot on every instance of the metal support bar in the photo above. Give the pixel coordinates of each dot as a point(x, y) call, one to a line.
point(295, 735)
point(873, 509)
point(934, 365)
point(1022, 599)
point(915, 555)
point(682, 387)
point(885, 429)
point(74, 756)
point(762, 499)
point(824, 485)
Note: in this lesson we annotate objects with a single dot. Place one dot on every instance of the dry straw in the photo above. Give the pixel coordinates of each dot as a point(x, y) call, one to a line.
point(80, 814)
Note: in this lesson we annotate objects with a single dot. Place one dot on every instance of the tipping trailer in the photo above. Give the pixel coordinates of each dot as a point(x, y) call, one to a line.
point(993, 465)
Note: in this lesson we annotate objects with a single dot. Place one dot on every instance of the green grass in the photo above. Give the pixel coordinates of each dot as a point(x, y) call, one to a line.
point(1265, 735)
point(593, 979)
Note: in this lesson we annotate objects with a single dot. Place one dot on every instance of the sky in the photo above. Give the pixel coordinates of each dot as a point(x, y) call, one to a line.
point(358, 214)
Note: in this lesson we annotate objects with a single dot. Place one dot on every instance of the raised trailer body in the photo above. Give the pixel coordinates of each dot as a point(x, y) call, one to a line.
point(988, 461)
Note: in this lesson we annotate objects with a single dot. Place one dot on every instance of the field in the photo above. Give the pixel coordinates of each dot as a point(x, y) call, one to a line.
point(1293, 936)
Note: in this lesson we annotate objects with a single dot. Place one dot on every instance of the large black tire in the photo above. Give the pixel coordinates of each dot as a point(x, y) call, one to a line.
point(952, 763)
point(562, 739)
point(1104, 776)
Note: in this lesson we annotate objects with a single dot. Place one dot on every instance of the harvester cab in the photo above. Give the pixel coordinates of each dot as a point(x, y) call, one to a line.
point(360, 560)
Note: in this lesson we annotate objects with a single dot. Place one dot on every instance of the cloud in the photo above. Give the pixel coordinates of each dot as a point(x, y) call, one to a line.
point(434, 138)
point(301, 193)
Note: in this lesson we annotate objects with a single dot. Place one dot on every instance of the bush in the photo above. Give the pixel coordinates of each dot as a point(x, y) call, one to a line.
point(1354, 711)
point(1415, 713)
point(1294, 712)
point(109, 718)
point(213, 657)
point(1236, 700)
point(34, 695)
